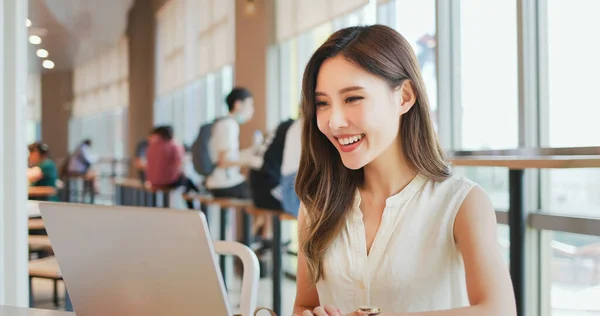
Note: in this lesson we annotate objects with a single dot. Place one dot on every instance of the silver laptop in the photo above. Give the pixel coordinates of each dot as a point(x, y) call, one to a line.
point(136, 261)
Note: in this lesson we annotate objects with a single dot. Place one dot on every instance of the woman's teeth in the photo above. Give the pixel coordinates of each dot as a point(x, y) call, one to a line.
point(350, 140)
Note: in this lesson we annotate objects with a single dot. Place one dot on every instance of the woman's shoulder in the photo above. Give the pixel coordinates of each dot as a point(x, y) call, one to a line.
point(455, 183)
point(460, 180)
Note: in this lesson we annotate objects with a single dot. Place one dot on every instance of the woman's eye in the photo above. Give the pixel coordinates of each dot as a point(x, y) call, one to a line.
point(321, 104)
point(353, 99)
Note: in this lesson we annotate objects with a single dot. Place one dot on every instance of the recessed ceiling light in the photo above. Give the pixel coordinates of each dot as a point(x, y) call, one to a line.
point(250, 7)
point(28, 22)
point(42, 53)
point(35, 40)
point(48, 64)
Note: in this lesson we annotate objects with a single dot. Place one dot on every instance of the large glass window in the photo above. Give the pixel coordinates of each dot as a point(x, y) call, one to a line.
point(487, 116)
point(415, 20)
point(290, 79)
point(178, 121)
point(210, 97)
point(573, 67)
point(226, 83)
point(488, 112)
point(193, 114)
point(573, 102)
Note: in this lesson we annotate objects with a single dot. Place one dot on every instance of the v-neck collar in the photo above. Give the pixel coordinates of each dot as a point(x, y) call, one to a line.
point(395, 200)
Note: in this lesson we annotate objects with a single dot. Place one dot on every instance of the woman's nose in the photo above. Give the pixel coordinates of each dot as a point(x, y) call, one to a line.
point(337, 119)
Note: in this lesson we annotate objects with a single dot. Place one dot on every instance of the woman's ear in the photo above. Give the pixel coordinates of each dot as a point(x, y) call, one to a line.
point(406, 96)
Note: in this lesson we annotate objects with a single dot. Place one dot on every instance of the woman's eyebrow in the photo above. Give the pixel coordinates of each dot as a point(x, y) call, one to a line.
point(342, 91)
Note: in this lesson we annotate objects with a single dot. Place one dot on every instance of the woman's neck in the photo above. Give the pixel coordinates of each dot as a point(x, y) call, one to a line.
point(388, 174)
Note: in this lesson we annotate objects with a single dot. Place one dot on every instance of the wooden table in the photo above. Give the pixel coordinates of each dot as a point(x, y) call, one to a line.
point(36, 224)
point(41, 192)
point(517, 161)
point(16, 311)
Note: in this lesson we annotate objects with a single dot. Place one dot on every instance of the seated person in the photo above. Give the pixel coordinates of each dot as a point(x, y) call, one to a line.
point(289, 167)
point(42, 171)
point(81, 160)
point(164, 161)
point(265, 182)
point(79, 165)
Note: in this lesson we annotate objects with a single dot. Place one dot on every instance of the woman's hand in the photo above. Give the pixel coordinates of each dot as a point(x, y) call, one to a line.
point(326, 310)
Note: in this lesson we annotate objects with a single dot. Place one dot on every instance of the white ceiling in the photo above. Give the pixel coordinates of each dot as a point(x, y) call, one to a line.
point(75, 31)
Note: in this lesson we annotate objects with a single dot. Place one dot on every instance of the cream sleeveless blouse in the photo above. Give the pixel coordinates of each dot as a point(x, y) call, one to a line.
point(414, 264)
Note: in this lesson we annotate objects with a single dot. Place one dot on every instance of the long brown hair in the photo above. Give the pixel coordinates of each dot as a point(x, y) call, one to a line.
point(325, 186)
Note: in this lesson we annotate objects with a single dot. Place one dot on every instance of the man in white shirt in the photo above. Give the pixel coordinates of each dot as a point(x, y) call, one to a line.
point(227, 180)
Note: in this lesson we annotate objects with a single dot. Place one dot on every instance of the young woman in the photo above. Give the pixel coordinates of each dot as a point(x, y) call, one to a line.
point(383, 221)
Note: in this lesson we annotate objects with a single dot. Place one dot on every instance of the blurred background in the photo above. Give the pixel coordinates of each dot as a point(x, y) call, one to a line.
point(500, 74)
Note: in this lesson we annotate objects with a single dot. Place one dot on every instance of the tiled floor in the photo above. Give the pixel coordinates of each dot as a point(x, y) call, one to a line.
point(43, 294)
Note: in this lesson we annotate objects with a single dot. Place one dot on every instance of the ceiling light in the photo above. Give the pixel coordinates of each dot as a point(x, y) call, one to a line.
point(42, 53)
point(250, 7)
point(48, 64)
point(28, 22)
point(35, 40)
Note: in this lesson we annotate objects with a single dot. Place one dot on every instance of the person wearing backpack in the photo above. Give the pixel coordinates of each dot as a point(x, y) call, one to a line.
point(223, 148)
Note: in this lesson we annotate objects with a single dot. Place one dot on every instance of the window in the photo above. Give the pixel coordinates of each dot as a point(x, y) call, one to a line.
point(572, 280)
point(354, 18)
point(223, 86)
point(194, 116)
point(33, 131)
point(488, 112)
point(493, 180)
point(573, 67)
point(415, 20)
point(226, 82)
point(178, 122)
point(487, 117)
point(386, 14)
point(290, 79)
point(209, 97)
point(295, 54)
point(163, 114)
point(573, 102)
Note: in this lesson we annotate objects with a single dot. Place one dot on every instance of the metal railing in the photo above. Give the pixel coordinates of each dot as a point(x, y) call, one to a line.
point(98, 186)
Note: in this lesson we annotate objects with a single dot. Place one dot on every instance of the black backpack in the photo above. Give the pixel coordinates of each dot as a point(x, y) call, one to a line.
point(201, 159)
point(265, 179)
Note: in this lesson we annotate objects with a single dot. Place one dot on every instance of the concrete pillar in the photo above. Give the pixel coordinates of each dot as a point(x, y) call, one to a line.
point(141, 39)
point(13, 160)
point(57, 95)
point(254, 35)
